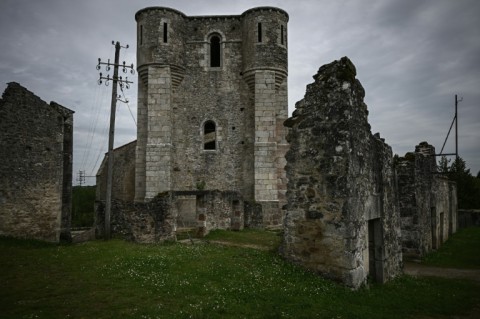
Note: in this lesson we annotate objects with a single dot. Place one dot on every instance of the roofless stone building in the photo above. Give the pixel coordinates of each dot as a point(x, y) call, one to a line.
point(342, 215)
point(36, 143)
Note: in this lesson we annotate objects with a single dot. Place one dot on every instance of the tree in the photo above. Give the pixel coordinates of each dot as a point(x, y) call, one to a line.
point(468, 187)
point(83, 203)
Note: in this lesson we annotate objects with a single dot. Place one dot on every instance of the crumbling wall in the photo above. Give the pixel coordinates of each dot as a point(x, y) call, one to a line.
point(123, 179)
point(159, 219)
point(36, 166)
point(427, 201)
point(141, 222)
point(342, 219)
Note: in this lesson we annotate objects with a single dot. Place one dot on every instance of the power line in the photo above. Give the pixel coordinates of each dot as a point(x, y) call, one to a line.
point(128, 105)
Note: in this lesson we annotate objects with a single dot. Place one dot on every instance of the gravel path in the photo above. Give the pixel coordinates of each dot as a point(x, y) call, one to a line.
point(416, 269)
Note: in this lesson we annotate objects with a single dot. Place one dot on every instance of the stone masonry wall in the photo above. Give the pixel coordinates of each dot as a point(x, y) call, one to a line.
point(159, 219)
point(342, 219)
point(427, 201)
point(123, 180)
point(36, 166)
point(245, 96)
point(150, 222)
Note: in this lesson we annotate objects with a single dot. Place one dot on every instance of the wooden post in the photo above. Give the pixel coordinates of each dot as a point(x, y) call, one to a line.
point(111, 136)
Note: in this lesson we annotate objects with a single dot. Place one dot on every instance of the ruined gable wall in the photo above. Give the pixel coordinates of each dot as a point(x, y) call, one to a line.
point(123, 179)
point(36, 152)
point(339, 177)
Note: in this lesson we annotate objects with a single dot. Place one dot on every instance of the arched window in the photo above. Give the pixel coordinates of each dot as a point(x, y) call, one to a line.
point(209, 136)
point(215, 51)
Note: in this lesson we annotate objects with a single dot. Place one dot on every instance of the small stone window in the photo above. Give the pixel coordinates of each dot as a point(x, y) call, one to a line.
point(209, 135)
point(165, 32)
point(141, 34)
point(282, 35)
point(259, 32)
point(215, 52)
point(282, 41)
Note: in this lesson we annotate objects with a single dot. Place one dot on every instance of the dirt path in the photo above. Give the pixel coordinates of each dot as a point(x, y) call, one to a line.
point(416, 269)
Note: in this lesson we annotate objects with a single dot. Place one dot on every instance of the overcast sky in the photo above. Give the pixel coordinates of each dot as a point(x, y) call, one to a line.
point(412, 57)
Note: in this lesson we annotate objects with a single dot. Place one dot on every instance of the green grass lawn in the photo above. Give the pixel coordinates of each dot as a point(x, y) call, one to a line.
point(462, 250)
point(118, 279)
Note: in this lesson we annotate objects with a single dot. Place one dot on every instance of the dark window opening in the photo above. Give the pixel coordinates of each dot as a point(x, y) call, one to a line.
point(165, 32)
point(209, 136)
point(141, 34)
point(281, 35)
point(259, 32)
point(214, 52)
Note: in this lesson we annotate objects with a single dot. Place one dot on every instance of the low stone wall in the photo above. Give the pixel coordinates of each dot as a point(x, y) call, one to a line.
point(141, 222)
point(158, 219)
point(342, 219)
point(468, 218)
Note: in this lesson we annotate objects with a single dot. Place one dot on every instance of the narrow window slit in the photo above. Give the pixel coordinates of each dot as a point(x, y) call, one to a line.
point(259, 32)
point(209, 136)
point(165, 32)
point(282, 35)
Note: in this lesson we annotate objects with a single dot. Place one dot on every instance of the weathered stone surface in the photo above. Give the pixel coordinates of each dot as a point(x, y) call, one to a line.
point(141, 222)
point(123, 180)
point(158, 219)
point(427, 201)
point(242, 100)
point(36, 166)
point(244, 96)
point(342, 219)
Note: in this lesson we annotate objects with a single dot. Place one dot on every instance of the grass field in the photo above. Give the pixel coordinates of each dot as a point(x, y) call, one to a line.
point(118, 279)
point(460, 251)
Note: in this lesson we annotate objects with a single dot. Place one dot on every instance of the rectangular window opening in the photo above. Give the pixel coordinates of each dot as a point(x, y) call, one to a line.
point(141, 34)
point(282, 35)
point(165, 32)
point(259, 32)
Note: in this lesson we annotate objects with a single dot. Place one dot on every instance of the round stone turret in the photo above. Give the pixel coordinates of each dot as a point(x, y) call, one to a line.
point(160, 40)
point(265, 41)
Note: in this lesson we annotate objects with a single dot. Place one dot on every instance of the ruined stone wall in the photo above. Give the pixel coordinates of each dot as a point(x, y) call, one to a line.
point(245, 96)
point(342, 219)
point(150, 222)
point(36, 166)
point(427, 200)
point(159, 219)
point(123, 179)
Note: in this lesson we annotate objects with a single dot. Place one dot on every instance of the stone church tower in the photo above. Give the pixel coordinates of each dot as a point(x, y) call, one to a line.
point(212, 99)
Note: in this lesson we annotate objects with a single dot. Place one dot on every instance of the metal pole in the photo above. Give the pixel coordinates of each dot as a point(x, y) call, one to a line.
point(456, 129)
point(108, 199)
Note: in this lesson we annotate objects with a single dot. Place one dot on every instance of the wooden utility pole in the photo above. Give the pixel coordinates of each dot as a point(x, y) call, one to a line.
point(111, 135)
point(81, 178)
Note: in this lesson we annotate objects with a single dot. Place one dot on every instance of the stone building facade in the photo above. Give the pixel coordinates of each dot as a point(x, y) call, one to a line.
point(212, 99)
point(36, 166)
point(428, 202)
point(342, 216)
